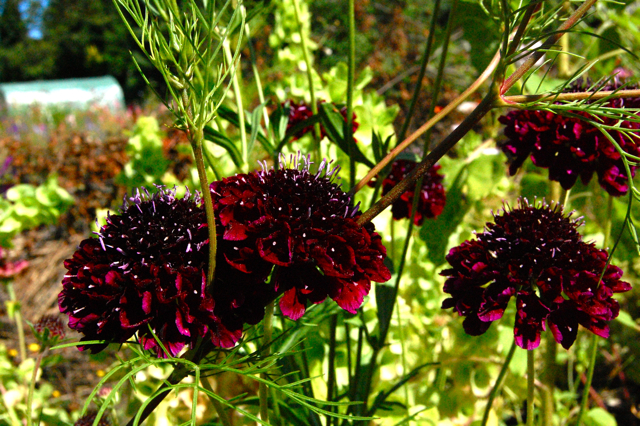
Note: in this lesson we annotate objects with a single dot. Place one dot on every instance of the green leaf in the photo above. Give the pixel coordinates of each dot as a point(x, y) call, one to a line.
point(484, 173)
point(436, 232)
point(220, 139)
point(599, 417)
point(255, 126)
point(333, 123)
point(18, 192)
point(480, 31)
point(627, 320)
point(385, 301)
point(231, 116)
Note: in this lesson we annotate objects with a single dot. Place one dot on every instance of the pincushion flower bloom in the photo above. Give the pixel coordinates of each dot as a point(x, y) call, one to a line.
point(432, 196)
point(569, 146)
point(301, 228)
point(146, 270)
point(535, 254)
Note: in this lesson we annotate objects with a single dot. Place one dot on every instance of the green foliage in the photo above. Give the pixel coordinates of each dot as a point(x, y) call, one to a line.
point(147, 164)
point(15, 380)
point(401, 358)
point(599, 417)
point(27, 206)
point(481, 30)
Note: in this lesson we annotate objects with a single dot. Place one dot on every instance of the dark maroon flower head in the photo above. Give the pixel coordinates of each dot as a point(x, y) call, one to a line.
point(49, 329)
point(146, 270)
point(569, 146)
point(535, 254)
point(298, 112)
point(301, 228)
point(432, 195)
point(90, 417)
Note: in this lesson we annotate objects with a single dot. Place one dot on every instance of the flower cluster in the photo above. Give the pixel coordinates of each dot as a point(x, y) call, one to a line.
point(535, 254)
point(569, 146)
point(432, 196)
point(146, 270)
point(301, 228)
point(298, 112)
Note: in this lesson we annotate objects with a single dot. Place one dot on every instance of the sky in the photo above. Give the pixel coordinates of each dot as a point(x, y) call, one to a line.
point(35, 31)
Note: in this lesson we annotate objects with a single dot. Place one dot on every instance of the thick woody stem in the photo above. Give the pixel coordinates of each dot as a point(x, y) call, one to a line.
point(438, 152)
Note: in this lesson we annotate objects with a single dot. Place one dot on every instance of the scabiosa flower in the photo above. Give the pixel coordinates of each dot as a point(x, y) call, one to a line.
point(535, 254)
point(298, 112)
point(301, 228)
point(570, 147)
point(10, 269)
point(49, 329)
point(432, 196)
point(89, 418)
point(146, 270)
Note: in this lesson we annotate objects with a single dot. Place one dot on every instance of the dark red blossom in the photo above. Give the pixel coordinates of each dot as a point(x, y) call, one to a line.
point(147, 270)
point(89, 418)
point(301, 228)
point(298, 112)
point(432, 196)
point(535, 254)
point(52, 323)
point(569, 146)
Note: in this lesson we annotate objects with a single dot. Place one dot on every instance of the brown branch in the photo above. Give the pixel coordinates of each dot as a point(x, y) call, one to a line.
point(429, 124)
point(438, 152)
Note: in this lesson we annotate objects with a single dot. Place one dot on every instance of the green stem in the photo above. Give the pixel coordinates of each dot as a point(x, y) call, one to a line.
point(17, 317)
point(256, 75)
point(498, 384)
point(263, 390)
point(423, 68)
point(350, 83)
point(238, 95)
point(548, 380)
point(180, 372)
point(594, 340)
point(331, 379)
point(309, 71)
point(563, 60)
point(223, 415)
point(403, 354)
point(587, 386)
point(32, 387)
point(196, 145)
point(530, 386)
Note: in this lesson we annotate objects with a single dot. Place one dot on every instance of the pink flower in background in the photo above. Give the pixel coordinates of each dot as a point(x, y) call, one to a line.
point(10, 269)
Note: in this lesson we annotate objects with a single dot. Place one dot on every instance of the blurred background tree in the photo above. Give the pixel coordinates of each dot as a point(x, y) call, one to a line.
point(68, 39)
